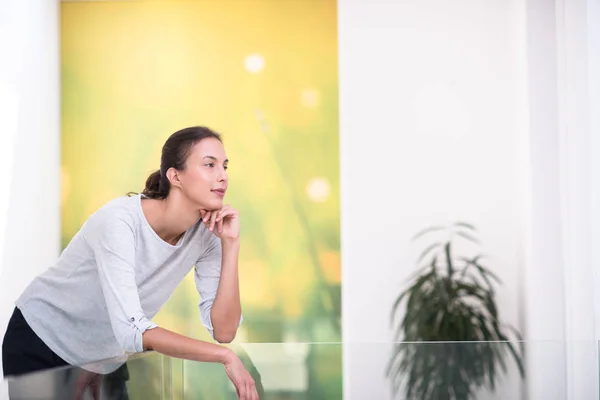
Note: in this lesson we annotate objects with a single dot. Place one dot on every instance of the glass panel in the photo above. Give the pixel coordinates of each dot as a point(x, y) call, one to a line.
point(457, 370)
point(3, 389)
point(290, 371)
point(149, 377)
point(303, 371)
point(142, 376)
point(436, 370)
point(445, 370)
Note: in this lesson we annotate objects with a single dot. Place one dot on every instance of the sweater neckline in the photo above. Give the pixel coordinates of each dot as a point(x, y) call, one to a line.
point(149, 227)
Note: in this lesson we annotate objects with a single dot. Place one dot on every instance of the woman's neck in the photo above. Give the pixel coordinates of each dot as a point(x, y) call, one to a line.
point(170, 218)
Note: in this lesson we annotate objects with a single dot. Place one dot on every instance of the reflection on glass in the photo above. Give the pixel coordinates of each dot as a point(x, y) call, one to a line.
point(290, 371)
point(140, 377)
point(302, 371)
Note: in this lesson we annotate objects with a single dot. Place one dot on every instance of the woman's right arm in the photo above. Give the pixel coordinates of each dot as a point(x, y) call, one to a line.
point(175, 345)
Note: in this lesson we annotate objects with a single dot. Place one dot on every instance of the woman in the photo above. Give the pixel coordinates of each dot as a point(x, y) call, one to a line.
point(98, 299)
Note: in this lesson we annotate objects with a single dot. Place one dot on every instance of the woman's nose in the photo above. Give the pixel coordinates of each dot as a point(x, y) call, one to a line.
point(223, 175)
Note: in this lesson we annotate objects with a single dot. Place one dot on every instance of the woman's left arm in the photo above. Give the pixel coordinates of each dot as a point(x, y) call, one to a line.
point(226, 309)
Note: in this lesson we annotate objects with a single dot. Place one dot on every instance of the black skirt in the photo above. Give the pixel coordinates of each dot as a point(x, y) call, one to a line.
point(23, 351)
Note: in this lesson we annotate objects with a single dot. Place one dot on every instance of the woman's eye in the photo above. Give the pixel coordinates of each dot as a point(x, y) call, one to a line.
point(210, 165)
point(225, 166)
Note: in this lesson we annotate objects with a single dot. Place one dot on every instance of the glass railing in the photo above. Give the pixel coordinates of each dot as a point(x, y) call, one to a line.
point(281, 371)
point(311, 371)
point(141, 376)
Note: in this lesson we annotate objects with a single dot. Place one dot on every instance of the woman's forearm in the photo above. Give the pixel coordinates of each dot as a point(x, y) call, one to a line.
point(226, 309)
point(178, 346)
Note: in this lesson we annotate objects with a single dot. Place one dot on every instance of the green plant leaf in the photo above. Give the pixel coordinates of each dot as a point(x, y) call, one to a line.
point(428, 230)
point(467, 236)
point(516, 358)
point(475, 281)
point(488, 357)
point(487, 335)
point(466, 289)
point(396, 369)
point(448, 252)
point(425, 353)
point(431, 266)
point(516, 333)
point(484, 272)
point(490, 305)
point(415, 288)
point(428, 250)
point(465, 225)
point(398, 349)
point(499, 351)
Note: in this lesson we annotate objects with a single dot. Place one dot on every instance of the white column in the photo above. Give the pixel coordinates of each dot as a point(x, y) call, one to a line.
point(544, 274)
point(9, 112)
point(593, 43)
point(576, 182)
point(30, 145)
point(560, 274)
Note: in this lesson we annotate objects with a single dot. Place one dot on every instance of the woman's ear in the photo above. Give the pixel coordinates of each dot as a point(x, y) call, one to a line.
point(173, 177)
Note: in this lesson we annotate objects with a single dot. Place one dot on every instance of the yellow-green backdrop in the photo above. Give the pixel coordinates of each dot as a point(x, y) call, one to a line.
point(264, 74)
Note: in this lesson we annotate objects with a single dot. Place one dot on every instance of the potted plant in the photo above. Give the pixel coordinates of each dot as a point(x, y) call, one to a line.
point(450, 299)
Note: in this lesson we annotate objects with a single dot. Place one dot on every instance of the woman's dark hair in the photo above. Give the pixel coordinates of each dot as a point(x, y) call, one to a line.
point(175, 152)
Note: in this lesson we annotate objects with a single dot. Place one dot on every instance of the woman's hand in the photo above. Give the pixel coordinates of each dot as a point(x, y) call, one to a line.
point(87, 379)
point(241, 379)
point(224, 223)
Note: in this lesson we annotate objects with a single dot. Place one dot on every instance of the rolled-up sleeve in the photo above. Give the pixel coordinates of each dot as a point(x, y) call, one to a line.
point(207, 276)
point(114, 250)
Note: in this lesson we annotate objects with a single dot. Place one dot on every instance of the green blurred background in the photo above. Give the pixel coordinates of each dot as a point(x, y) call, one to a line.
point(264, 74)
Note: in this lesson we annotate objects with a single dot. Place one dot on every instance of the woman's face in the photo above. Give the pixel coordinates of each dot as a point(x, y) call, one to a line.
point(204, 179)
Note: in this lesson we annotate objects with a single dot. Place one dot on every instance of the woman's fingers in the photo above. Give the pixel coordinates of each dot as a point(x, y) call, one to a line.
point(96, 388)
point(208, 218)
point(241, 379)
point(213, 218)
point(251, 391)
point(226, 212)
point(242, 390)
point(249, 388)
point(205, 217)
point(222, 212)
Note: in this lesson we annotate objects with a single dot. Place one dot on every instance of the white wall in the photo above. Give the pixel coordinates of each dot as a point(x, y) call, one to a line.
point(431, 112)
point(29, 132)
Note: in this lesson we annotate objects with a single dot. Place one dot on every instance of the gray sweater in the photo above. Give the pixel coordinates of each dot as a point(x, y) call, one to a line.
point(116, 273)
